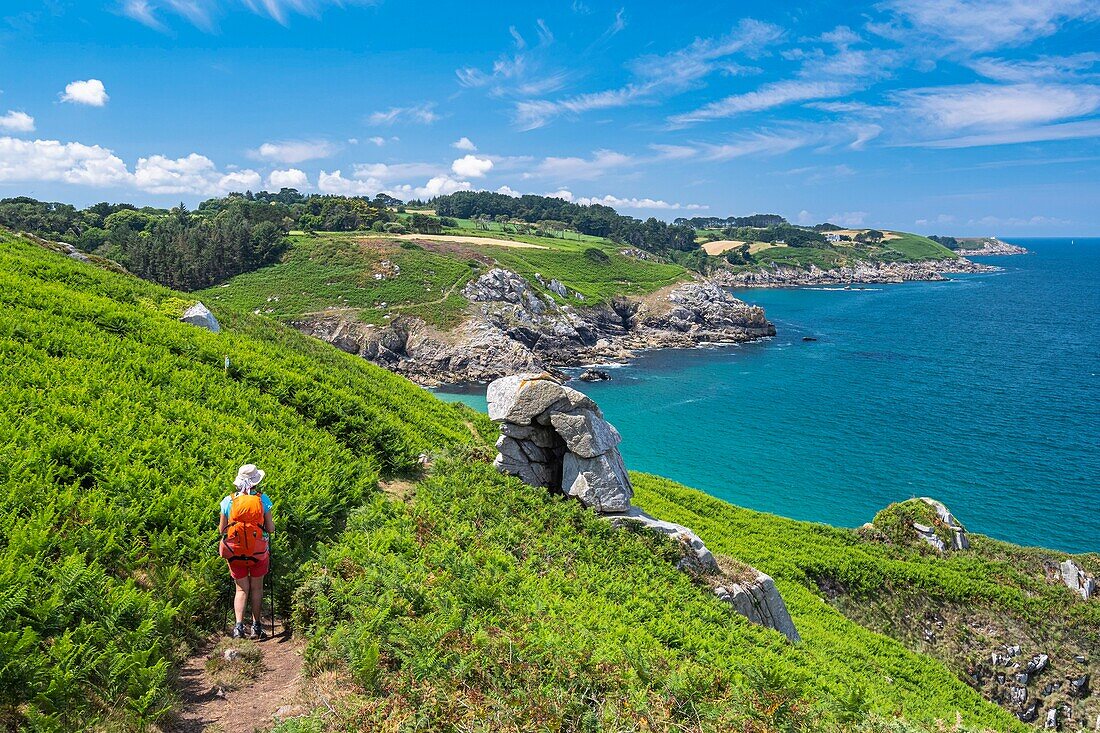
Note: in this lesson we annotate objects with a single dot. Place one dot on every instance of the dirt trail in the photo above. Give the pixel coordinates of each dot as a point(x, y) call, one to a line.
point(253, 705)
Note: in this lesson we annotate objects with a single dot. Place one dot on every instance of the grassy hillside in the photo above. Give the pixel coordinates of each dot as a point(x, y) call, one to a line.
point(901, 248)
point(120, 430)
point(374, 278)
point(477, 599)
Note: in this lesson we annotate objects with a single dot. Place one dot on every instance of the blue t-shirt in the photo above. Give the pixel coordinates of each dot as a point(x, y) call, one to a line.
point(227, 502)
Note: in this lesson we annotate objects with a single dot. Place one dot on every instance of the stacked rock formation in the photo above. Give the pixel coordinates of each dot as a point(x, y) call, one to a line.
point(555, 437)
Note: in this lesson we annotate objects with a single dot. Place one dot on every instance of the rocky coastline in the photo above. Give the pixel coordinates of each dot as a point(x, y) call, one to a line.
point(866, 273)
point(515, 327)
point(990, 246)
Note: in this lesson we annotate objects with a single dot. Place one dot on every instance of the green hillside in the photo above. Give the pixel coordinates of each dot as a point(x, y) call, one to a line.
point(374, 278)
point(476, 599)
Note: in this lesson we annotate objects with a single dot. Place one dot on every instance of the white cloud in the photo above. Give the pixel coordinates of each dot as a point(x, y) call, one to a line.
point(93, 165)
point(849, 218)
point(563, 194)
point(804, 217)
point(436, 186)
point(509, 191)
point(998, 107)
point(422, 114)
point(656, 75)
point(201, 13)
point(1051, 68)
point(982, 25)
point(464, 143)
point(674, 152)
point(601, 163)
point(396, 171)
point(336, 183)
point(90, 92)
point(17, 122)
point(768, 96)
point(194, 174)
point(294, 151)
point(471, 166)
point(1041, 133)
point(638, 203)
point(51, 160)
point(759, 143)
point(289, 178)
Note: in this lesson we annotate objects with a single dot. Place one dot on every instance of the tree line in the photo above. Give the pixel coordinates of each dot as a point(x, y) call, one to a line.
point(715, 222)
point(593, 219)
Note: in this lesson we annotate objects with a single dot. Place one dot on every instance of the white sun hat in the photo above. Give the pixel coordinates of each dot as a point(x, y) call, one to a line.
point(248, 476)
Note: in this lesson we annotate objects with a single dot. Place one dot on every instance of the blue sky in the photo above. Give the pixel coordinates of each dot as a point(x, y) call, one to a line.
point(938, 116)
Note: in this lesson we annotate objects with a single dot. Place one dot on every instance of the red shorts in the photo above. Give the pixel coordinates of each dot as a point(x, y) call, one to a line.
point(244, 568)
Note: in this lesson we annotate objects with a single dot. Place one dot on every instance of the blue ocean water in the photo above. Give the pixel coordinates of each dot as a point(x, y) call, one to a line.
point(981, 391)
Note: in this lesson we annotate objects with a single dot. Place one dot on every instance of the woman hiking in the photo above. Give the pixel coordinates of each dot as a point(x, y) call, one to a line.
point(245, 526)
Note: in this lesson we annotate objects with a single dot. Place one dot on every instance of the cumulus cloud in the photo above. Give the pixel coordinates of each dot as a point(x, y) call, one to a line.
point(396, 171)
point(288, 178)
point(617, 202)
point(464, 143)
point(90, 92)
point(336, 183)
point(51, 160)
point(194, 174)
point(294, 151)
point(436, 186)
point(422, 114)
point(509, 191)
point(28, 161)
point(471, 166)
point(17, 122)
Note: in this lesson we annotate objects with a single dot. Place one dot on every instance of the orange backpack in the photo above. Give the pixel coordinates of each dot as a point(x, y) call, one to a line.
point(244, 535)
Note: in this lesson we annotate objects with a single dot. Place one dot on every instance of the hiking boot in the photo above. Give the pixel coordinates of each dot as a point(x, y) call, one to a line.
point(258, 630)
point(238, 631)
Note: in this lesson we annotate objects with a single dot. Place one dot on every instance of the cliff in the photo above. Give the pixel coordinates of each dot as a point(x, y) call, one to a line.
point(986, 247)
point(861, 272)
point(512, 327)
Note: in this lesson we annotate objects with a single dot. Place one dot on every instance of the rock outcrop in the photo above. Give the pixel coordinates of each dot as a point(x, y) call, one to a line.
point(959, 540)
point(1077, 580)
point(513, 327)
point(990, 246)
point(199, 315)
point(862, 272)
point(555, 437)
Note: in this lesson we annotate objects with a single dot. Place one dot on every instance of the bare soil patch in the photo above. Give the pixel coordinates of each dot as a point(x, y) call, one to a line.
point(486, 241)
point(273, 684)
point(719, 246)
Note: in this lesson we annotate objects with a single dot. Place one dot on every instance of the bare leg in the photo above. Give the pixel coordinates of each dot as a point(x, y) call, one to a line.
point(257, 599)
point(240, 598)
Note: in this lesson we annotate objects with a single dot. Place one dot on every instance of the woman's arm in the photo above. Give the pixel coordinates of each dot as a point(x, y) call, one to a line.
point(269, 525)
point(223, 522)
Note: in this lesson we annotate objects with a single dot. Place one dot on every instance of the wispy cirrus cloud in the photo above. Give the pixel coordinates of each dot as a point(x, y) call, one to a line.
point(524, 72)
point(771, 95)
point(203, 14)
point(975, 26)
point(656, 75)
point(422, 114)
point(1044, 68)
point(572, 168)
point(998, 107)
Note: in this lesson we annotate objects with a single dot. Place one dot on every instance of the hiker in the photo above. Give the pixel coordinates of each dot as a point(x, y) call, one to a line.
point(245, 525)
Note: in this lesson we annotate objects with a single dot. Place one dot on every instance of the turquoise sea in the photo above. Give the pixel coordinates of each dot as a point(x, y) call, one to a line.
point(983, 391)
